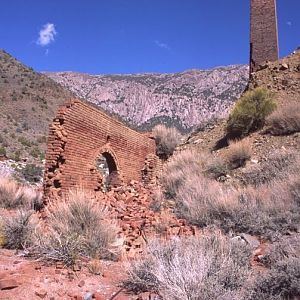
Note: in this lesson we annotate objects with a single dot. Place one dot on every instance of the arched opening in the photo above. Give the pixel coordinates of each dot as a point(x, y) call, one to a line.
point(107, 167)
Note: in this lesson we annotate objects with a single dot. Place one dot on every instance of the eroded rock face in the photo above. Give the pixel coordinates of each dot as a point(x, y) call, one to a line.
point(182, 99)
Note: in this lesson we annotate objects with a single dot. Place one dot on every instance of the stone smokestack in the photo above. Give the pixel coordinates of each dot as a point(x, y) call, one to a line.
point(263, 33)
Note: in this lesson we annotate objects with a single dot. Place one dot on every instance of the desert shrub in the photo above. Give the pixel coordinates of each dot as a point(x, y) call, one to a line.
point(285, 247)
point(182, 165)
point(216, 167)
point(267, 211)
point(285, 120)
point(166, 140)
point(32, 173)
point(250, 112)
point(204, 267)
point(77, 227)
point(238, 153)
point(17, 230)
point(15, 195)
point(17, 155)
point(24, 141)
point(35, 152)
point(2, 151)
point(281, 282)
point(278, 165)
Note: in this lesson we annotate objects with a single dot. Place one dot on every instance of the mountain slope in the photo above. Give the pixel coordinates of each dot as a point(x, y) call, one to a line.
point(28, 102)
point(184, 99)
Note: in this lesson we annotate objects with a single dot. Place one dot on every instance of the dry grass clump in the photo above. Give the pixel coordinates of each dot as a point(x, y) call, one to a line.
point(269, 210)
point(216, 167)
point(285, 120)
point(182, 165)
point(14, 195)
point(205, 267)
point(281, 280)
point(278, 165)
point(17, 230)
point(250, 112)
point(238, 153)
point(77, 227)
point(266, 211)
point(166, 139)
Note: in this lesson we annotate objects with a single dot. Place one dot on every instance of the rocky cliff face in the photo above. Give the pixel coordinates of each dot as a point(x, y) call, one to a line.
point(181, 99)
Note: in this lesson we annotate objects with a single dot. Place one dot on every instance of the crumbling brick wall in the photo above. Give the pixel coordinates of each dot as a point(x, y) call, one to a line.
point(78, 135)
point(263, 33)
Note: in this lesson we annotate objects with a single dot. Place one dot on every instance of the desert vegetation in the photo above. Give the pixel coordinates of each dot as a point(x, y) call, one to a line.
point(285, 120)
point(268, 210)
point(206, 267)
point(166, 139)
point(76, 227)
point(213, 266)
point(250, 112)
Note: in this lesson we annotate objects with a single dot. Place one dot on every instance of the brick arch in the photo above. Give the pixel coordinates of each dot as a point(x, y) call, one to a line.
point(115, 174)
point(107, 149)
point(78, 135)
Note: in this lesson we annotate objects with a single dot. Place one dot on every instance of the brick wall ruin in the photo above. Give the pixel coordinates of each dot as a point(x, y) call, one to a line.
point(78, 135)
point(263, 33)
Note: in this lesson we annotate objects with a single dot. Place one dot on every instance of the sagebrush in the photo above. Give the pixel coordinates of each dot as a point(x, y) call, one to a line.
point(205, 267)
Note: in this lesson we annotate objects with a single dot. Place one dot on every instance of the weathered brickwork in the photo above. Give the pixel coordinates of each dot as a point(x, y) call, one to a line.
point(78, 135)
point(263, 33)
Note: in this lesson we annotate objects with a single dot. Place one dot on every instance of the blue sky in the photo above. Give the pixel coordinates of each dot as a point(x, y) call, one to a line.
point(133, 36)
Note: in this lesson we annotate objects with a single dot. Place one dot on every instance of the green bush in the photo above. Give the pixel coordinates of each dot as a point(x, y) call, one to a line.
point(32, 173)
point(250, 112)
point(2, 151)
point(24, 141)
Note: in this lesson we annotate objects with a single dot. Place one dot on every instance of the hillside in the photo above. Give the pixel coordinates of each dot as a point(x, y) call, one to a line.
point(282, 78)
point(181, 99)
point(28, 102)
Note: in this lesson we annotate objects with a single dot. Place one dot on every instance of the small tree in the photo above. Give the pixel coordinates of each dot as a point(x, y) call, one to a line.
point(250, 112)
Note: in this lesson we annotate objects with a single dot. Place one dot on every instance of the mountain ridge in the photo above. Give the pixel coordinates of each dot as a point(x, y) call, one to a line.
point(141, 97)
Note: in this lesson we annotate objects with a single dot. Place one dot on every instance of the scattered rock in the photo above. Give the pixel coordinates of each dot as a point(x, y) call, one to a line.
point(284, 67)
point(251, 240)
point(98, 296)
point(41, 293)
point(88, 296)
point(8, 284)
point(81, 283)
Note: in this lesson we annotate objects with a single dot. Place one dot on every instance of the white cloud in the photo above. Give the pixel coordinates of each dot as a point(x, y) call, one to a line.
point(289, 23)
point(46, 35)
point(162, 45)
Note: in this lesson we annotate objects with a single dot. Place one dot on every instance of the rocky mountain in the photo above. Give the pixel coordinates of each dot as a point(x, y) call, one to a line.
point(181, 99)
point(28, 102)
